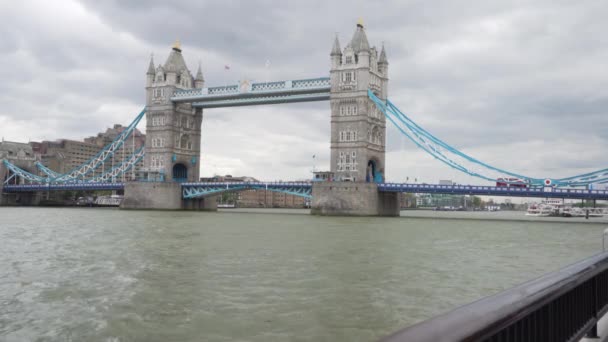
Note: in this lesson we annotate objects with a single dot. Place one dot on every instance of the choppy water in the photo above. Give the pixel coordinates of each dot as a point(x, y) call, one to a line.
point(118, 276)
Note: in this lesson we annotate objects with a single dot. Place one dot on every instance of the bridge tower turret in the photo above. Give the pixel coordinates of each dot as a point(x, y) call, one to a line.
point(173, 131)
point(199, 81)
point(358, 136)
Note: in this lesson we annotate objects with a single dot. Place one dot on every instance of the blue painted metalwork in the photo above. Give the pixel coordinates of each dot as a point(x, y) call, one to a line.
point(106, 153)
point(63, 187)
point(122, 168)
point(304, 189)
point(247, 94)
point(24, 175)
point(84, 171)
point(254, 101)
point(540, 192)
point(50, 173)
point(114, 173)
point(203, 189)
point(465, 163)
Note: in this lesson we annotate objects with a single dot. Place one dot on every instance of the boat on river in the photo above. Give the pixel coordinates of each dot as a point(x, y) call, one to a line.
point(557, 208)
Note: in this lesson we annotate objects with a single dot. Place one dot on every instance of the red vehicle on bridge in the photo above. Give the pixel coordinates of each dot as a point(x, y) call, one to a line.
point(512, 182)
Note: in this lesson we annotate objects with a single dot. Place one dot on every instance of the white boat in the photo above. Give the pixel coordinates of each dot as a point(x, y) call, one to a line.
point(557, 207)
point(540, 210)
point(108, 201)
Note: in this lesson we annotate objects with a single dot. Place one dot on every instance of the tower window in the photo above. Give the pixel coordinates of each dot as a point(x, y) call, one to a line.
point(349, 59)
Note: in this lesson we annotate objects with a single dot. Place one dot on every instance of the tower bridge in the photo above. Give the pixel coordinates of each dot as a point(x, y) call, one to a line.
point(357, 91)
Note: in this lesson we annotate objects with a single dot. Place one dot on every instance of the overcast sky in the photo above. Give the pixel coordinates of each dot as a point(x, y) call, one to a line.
point(519, 84)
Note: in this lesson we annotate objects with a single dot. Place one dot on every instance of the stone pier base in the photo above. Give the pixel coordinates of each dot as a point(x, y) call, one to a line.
point(352, 199)
point(162, 196)
point(20, 198)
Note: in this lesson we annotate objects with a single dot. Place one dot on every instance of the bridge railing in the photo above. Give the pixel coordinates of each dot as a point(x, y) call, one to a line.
point(248, 183)
point(496, 190)
point(561, 306)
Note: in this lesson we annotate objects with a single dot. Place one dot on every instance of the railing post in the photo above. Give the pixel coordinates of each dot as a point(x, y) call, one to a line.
point(593, 332)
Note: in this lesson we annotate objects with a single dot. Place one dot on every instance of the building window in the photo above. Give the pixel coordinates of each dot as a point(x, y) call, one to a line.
point(158, 121)
point(347, 161)
point(158, 142)
point(157, 162)
point(348, 110)
point(348, 77)
point(349, 59)
point(159, 92)
point(348, 136)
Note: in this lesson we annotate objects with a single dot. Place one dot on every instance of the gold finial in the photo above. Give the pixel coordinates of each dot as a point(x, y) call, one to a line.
point(360, 22)
point(177, 45)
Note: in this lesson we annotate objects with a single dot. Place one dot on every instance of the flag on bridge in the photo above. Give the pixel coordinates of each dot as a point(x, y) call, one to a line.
point(226, 67)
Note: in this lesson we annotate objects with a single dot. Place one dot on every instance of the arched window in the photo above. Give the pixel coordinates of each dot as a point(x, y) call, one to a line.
point(184, 141)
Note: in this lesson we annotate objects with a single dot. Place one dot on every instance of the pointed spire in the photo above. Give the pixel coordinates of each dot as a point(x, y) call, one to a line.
point(151, 66)
point(336, 51)
point(177, 46)
point(382, 59)
point(359, 41)
point(199, 73)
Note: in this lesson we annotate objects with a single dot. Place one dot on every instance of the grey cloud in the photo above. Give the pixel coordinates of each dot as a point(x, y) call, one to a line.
point(486, 76)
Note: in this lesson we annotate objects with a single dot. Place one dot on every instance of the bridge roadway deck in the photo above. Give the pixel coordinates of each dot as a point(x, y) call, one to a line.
point(385, 187)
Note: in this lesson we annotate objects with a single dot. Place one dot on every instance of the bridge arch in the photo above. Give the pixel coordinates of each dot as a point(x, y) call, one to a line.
point(373, 172)
point(180, 172)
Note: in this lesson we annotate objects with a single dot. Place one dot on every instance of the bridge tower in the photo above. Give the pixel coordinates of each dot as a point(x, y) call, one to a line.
point(358, 133)
point(173, 131)
point(173, 139)
point(358, 128)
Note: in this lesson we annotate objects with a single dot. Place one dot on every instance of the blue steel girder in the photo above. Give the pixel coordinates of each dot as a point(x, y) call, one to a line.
point(539, 192)
point(63, 187)
point(314, 89)
point(19, 172)
point(277, 99)
point(204, 191)
point(47, 171)
point(106, 153)
point(194, 190)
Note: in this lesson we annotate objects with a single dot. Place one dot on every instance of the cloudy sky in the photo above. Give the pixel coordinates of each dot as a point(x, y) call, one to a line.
point(522, 85)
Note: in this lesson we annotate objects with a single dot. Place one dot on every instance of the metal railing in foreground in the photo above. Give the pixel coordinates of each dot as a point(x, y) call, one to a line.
point(564, 305)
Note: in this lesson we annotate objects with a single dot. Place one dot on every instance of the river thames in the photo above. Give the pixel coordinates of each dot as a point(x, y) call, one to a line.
point(117, 276)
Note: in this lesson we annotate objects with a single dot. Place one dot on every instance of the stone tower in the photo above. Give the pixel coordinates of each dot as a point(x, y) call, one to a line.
point(173, 131)
point(358, 136)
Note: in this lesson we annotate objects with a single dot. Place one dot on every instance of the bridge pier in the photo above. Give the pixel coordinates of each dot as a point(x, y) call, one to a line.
point(163, 196)
point(352, 199)
point(20, 198)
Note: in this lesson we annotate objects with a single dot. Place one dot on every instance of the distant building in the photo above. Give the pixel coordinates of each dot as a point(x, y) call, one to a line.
point(19, 154)
point(105, 138)
point(15, 151)
point(446, 182)
point(64, 155)
point(258, 198)
point(227, 178)
point(322, 176)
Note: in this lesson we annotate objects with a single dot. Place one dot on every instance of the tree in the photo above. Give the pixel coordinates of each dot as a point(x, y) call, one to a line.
point(477, 201)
